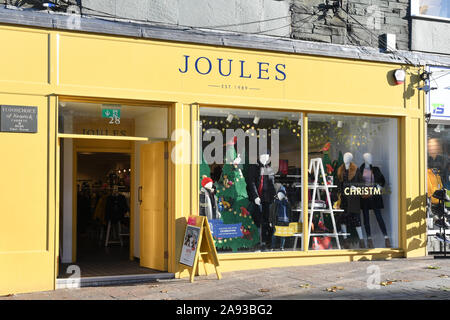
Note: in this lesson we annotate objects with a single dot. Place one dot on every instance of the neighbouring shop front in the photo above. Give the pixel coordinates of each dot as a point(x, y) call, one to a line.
point(294, 159)
point(438, 148)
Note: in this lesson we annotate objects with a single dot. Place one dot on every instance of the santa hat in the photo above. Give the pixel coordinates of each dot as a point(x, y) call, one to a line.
point(206, 180)
point(232, 141)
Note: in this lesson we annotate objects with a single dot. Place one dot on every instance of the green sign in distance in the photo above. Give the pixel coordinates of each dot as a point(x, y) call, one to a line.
point(111, 113)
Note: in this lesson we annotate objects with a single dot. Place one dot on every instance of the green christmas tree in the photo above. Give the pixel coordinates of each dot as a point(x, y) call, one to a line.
point(205, 171)
point(232, 190)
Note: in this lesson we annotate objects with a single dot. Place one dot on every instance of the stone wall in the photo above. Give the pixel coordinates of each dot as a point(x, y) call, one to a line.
point(357, 22)
point(230, 15)
point(365, 22)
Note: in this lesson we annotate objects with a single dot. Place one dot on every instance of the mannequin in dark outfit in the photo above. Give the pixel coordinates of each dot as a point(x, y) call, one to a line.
point(372, 176)
point(349, 176)
point(116, 206)
point(280, 215)
point(261, 191)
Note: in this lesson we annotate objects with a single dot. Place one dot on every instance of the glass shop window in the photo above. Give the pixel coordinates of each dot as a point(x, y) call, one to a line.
point(438, 177)
point(250, 179)
point(97, 119)
point(353, 182)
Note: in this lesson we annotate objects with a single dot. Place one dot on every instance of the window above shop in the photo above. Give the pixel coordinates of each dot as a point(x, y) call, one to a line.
point(436, 9)
point(112, 120)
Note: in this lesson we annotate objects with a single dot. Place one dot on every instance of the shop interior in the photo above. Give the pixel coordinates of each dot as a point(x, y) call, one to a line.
point(103, 211)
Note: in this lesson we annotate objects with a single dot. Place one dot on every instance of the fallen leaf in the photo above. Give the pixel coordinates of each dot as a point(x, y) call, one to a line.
point(305, 286)
point(264, 290)
point(334, 289)
point(395, 280)
point(433, 267)
point(443, 276)
point(163, 291)
point(386, 283)
point(153, 286)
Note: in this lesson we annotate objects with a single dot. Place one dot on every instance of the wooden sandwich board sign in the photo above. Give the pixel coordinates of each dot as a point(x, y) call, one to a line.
point(198, 244)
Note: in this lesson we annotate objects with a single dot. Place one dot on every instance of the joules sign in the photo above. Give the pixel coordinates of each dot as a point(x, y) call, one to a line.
point(233, 68)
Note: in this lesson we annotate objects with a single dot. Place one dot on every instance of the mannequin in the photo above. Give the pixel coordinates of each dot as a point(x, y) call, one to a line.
point(348, 176)
point(280, 215)
point(372, 176)
point(115, 209)
point(116, 206)
point(208, 200)
point(261, 191)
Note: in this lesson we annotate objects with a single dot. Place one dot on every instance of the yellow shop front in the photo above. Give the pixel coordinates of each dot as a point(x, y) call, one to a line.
point(90, 117)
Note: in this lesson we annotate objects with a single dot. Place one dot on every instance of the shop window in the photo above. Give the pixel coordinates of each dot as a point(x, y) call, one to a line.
point(250, 179)
point(438, 177)
point(432, 8)
point(353, 182)
point(96, 119)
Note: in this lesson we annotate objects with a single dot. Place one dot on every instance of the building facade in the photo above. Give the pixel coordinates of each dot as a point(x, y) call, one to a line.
point(155, 96)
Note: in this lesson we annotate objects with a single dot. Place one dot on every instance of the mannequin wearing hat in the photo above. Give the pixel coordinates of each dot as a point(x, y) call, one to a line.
point(208, 200)
point(280, 215)
point(261, 191)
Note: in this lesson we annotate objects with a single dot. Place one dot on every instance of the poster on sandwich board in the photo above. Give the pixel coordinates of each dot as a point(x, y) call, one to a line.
point(190, 245)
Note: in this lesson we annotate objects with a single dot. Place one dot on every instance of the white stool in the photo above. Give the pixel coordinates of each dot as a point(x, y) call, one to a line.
point(119, 234)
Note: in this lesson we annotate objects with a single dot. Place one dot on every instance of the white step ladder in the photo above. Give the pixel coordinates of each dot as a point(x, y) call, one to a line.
point(316, 166)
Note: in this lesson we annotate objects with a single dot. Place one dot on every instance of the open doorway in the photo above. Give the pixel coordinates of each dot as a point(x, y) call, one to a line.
point(114, 184)
point(103, 211)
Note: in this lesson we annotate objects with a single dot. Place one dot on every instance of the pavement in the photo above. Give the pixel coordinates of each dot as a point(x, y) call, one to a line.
point(415, 278)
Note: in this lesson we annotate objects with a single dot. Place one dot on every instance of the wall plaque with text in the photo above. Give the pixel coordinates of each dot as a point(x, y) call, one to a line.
point(18, 119)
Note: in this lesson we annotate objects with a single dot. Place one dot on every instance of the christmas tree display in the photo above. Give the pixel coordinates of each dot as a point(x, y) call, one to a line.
point(204, 171)
point(231, 190)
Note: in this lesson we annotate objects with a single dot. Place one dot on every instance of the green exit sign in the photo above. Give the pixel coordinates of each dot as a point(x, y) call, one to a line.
point(111, 113)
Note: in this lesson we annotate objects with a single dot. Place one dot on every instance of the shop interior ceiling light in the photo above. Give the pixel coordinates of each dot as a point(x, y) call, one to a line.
point(230, 117)
point(399, 76)
point(256, 120)
point(365, 124)
point(340, 124)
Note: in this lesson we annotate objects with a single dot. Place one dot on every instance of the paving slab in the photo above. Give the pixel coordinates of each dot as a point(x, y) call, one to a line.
point(417, 278)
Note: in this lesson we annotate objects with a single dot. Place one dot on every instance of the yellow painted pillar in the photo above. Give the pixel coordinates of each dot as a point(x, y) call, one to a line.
point(181, 174)
point(414, 233)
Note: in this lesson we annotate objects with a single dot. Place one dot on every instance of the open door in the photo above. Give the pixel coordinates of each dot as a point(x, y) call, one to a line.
point(152, 198)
